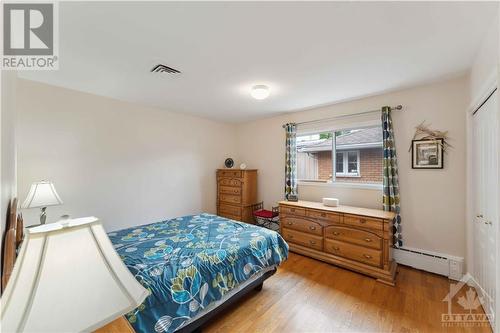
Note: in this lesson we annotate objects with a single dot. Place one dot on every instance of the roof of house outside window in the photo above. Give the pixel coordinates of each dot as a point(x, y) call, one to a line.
point(357, 139)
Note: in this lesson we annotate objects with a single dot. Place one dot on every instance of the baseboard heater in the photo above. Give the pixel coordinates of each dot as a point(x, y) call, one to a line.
point(429, 261)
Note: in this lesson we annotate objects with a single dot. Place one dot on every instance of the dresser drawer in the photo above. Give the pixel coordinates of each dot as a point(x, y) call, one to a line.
point(355, 236)
point(286, 210)
point(230, 198)
point(300, 238)
point(229, 182)
point(230, 216)
point(354, 252)
point(229, 173)
point(228, 209)
point(364, 222)
point(230, 190)
point(301, 224)
point(331, 217)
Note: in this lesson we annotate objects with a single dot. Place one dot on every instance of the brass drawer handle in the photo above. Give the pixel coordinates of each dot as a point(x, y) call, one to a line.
point(289, 223)
point(290, 236)
point(312, 227)
point(292, 210)
point(367, 256)
point(336, 248)
point(323, 214)
point(368, 240)
point(312, 242)
point(362, 221)
point(336, 233)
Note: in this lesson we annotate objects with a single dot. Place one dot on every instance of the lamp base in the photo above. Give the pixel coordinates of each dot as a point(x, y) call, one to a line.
point(43, 215)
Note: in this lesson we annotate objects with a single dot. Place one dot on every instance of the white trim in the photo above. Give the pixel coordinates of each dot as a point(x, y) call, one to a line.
point(342, 127)
point(489, 85)
point(365, 186)
point(361, 145)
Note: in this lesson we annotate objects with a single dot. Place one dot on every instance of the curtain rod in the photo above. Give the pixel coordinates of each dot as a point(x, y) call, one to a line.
point(397, 107)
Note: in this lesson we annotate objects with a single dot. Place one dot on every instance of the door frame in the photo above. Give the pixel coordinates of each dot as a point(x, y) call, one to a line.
point(489, 87)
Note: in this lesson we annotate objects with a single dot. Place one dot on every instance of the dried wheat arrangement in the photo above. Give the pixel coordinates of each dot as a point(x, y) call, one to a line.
point(423, 132)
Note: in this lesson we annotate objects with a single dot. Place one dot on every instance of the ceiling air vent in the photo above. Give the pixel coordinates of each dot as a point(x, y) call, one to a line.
point(164, 69)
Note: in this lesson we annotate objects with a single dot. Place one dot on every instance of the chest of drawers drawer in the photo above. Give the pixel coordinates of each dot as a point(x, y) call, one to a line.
point(230, 198)
point(303, 225)
point(230, 216)
point(330, 217)
point(359, 253)
point(228, 209)
point(230, 190)
point(229, 173)
point(297, 211)
point(229, 182)
point(354, 236)
point(301, 238)
point(363, 222)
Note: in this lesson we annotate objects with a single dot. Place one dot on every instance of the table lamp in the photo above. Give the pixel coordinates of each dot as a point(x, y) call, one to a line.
point(68, 278)
point(41, 195)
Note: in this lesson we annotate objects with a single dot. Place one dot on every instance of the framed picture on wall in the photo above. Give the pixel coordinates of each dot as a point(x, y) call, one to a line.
point(427, 154)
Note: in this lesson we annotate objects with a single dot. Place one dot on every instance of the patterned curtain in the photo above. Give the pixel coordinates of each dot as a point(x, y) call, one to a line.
point(291, 160)
point(391, 180)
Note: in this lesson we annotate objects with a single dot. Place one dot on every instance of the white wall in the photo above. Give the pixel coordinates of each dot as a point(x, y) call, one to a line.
point(8, 144)
point(484, 68)
point(432, 201)
point(121, 162)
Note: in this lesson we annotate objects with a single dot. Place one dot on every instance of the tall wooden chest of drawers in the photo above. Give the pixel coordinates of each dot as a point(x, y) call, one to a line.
point(359, 239)
point(236, 193)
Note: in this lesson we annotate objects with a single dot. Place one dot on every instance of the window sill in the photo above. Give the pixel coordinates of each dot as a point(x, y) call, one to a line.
point(365, 186)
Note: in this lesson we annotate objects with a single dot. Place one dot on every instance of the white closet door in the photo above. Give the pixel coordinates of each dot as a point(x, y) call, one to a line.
point(485, 176)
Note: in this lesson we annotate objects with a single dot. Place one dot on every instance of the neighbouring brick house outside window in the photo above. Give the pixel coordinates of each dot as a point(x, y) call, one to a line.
point(358, 155)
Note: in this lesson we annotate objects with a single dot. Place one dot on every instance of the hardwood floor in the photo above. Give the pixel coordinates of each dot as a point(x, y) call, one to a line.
point(307, 295)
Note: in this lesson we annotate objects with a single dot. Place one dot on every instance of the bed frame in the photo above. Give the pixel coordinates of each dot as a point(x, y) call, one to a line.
point(11, 241)
point(196, 326)
point(13, 237)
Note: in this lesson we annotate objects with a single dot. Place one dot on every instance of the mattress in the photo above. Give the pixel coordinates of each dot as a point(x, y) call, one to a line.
point(191, 264)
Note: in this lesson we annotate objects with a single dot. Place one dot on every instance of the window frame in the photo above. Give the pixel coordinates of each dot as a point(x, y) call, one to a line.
point(333, 182)
point(345, 163)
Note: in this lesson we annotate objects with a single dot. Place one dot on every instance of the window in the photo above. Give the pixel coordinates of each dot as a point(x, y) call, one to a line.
point(351, 155)
point(347, 163)
point(314, 157)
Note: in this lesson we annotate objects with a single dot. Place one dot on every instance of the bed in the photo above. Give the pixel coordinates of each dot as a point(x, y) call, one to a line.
point(195, 266)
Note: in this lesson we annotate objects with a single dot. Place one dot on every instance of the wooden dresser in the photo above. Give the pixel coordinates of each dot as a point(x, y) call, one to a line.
point(236, 193)
point(359, 239)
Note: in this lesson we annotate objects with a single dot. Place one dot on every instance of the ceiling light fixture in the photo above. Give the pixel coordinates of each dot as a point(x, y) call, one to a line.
point(260, 91)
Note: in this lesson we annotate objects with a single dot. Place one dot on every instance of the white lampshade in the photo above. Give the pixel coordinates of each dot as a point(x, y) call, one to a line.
point(68, 278)
point(42, 194)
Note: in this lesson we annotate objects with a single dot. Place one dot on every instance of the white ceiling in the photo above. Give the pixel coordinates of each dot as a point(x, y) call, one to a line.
point(308, 53)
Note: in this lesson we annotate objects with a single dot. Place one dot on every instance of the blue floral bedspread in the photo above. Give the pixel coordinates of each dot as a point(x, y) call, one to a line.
point(189, 262)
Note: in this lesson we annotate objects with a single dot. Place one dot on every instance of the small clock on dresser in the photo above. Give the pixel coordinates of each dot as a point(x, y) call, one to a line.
point(229, 163)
